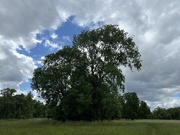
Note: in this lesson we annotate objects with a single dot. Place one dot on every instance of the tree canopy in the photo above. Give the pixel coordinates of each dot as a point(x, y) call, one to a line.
point(83, 81)
point(19, 106)
point(133, 108)
point(130, 105)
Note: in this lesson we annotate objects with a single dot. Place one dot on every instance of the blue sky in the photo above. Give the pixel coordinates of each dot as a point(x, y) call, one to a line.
point(63, 36)
point(33, 29)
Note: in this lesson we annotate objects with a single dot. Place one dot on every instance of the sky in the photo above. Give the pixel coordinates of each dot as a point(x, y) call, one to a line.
point(31, 29)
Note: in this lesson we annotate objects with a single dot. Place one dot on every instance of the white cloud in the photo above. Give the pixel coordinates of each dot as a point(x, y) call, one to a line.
point(22, 20)
point(159, 45)
point(66, 38)
point(15, 67)
point(52, 45)
point(54, 36)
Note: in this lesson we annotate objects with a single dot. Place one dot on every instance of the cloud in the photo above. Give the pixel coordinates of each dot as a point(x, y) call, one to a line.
point(22, 20)
point(15, 67)
point(51, 45)
point(159, 46)
point(66, 38)
point(54, 36)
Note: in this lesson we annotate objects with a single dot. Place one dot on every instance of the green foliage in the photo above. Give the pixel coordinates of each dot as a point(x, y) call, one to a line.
point(174, 112)
point(16, 106)
point(40, 110)
point(130, 105)
point(82, 82)
point(8, 92)
point(143, 111)
point(133, 108)
point(162, 113)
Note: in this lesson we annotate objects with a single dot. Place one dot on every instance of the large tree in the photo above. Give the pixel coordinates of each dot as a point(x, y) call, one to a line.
point(82, 81)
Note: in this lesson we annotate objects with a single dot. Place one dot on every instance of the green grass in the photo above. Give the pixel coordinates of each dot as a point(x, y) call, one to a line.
point(121, 127)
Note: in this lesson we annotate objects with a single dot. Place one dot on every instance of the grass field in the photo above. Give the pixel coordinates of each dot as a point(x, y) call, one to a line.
point(121, 127)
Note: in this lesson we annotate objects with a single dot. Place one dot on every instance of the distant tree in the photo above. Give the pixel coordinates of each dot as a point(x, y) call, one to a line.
point(161, 113)
point(79, 82)
point(174, 112)
point(16, 106)
point(143, 111)
point(40, 110)
point(170, 113)
point(130, 105)
point(111, 107)
point(7, 103)
point(29, 105)
point(7, 92)
point(20, 101)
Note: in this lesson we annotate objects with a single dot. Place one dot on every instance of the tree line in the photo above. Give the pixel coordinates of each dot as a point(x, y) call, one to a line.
point(19, 106)
point(133, 108)
point(24, 107)
point(170, 113)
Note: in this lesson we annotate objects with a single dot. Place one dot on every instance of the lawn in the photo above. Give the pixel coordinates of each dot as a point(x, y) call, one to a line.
point(120, 127)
